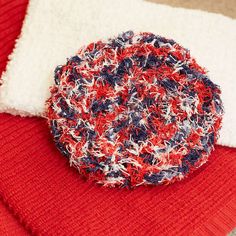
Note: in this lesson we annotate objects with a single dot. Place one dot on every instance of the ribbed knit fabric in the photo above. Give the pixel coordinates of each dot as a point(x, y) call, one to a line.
point(8, 223)
point(47, 197)
point(12, 14)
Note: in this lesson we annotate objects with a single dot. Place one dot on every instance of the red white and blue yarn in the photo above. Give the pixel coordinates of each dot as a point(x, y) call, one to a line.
point(134, 110)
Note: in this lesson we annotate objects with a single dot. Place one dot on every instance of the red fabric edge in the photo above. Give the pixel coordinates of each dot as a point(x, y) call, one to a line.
point(12, 14)
point(222, 222)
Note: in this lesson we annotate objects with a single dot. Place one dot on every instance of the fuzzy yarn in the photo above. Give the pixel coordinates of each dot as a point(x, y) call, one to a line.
point(134, 110)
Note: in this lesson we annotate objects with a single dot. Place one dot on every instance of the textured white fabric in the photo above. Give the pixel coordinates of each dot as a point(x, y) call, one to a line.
point(54, 29)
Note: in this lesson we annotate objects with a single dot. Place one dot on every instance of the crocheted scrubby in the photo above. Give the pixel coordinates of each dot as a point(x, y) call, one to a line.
point(134, 110)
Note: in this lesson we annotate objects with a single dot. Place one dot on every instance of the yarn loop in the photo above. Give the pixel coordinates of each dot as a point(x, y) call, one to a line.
point(134, 110)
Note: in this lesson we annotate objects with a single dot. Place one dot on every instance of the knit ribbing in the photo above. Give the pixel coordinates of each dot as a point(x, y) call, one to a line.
point(12, 14)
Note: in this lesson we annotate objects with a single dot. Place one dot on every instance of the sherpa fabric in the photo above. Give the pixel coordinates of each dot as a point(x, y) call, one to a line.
point(47, 198)
point(54, 30)
point(134, 110)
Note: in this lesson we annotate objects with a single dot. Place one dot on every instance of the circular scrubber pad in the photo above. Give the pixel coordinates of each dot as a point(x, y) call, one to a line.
point(134, 110)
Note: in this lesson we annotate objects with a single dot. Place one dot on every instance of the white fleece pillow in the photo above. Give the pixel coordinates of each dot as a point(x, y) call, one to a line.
point(55, 29)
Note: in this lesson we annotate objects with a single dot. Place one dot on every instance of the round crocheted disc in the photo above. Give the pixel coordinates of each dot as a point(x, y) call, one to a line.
point(134, 110)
